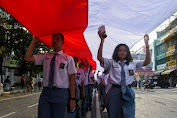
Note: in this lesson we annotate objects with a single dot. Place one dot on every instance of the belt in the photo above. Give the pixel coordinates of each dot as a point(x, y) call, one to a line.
point(119, 86)
point(54, 87)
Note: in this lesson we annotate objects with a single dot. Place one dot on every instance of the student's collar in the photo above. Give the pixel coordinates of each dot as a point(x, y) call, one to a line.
point(59, 52)
point(123, 62)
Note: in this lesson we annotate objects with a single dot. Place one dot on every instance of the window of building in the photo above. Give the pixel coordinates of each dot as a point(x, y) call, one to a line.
point(175, 39)
point(173, 57)
point(167, 44)
point(168, 58)
point(172, 41)
point(158, 50)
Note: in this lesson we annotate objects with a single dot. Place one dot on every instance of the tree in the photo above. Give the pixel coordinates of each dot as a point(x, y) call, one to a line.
point(16, 39)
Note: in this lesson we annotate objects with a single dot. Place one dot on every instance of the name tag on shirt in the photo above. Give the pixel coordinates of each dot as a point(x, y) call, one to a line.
point(131, 72)
point(78, 76)
point(115, 66)
point(62, 65)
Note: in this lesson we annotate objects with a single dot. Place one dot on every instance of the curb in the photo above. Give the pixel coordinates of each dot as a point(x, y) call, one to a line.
point(12, 92)
point(6, 93)
point(18, 90)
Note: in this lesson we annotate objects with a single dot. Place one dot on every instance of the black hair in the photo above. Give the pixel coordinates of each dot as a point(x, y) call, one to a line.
point(81, 64)
point(90, 68)
point(62, 36)
point(105, 71)
point(75, 58)
point(115, 54)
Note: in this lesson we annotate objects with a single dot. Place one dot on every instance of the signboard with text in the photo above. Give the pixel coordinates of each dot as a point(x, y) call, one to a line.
point(161, 67)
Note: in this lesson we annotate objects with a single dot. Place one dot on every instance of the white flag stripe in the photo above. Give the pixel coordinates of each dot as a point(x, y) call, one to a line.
point(126, 21)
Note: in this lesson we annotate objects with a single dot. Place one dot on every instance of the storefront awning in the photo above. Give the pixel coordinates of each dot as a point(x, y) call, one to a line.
point(167, 72)
point(158, 72)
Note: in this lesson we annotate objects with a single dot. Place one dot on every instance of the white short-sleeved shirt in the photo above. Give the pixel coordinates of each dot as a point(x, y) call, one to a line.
point(64, 66)
point(109, 85)
point(104, 77)
point(79, 76)
point(114, 69)
point(86, 76)
point(91, 78)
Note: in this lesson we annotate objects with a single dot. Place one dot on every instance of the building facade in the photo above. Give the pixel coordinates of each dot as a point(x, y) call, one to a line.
point(159, 55)
point(166, 53)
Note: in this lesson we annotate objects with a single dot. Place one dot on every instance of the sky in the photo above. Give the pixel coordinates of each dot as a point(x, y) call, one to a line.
point(153, 35)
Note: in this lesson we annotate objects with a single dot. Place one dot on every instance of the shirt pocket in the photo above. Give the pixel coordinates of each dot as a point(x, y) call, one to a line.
point(47, 62)
point(115, 67)
point(78, 75)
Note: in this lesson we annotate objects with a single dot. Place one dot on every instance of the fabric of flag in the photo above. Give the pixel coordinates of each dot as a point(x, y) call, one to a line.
point(126, 21)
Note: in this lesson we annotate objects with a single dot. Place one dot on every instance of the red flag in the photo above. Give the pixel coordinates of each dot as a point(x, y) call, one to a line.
point(45, 17)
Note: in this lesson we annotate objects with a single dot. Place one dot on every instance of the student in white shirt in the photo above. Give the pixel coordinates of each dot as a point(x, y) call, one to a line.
point(58, 78)
point(91, 81)
point(85, 99)
point(80, 89)
point(121, 97)
point(103, 84)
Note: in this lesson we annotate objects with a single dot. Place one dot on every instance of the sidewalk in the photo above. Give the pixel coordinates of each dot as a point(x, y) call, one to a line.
point(17, 90)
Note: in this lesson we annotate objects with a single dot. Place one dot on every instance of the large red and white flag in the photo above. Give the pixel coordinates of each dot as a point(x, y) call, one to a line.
point(126, 21)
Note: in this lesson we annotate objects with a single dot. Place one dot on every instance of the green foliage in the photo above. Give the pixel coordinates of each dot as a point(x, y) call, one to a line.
point(16, 39)
point(78, 64)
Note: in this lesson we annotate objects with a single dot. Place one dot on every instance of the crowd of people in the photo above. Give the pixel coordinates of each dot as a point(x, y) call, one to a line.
point(26, 84)
point(67, 84)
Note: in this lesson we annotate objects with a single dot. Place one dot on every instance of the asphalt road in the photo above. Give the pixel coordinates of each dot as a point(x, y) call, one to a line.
point(160, 103)
point(22, 106)
point(153, 103)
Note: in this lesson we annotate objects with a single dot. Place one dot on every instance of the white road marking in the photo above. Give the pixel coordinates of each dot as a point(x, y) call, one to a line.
point(19, 97)
point(8, 115)
point(32, 105)
point(158, 96)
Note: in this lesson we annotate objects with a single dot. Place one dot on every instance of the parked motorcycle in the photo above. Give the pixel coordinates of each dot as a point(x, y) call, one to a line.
point(148, 84)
